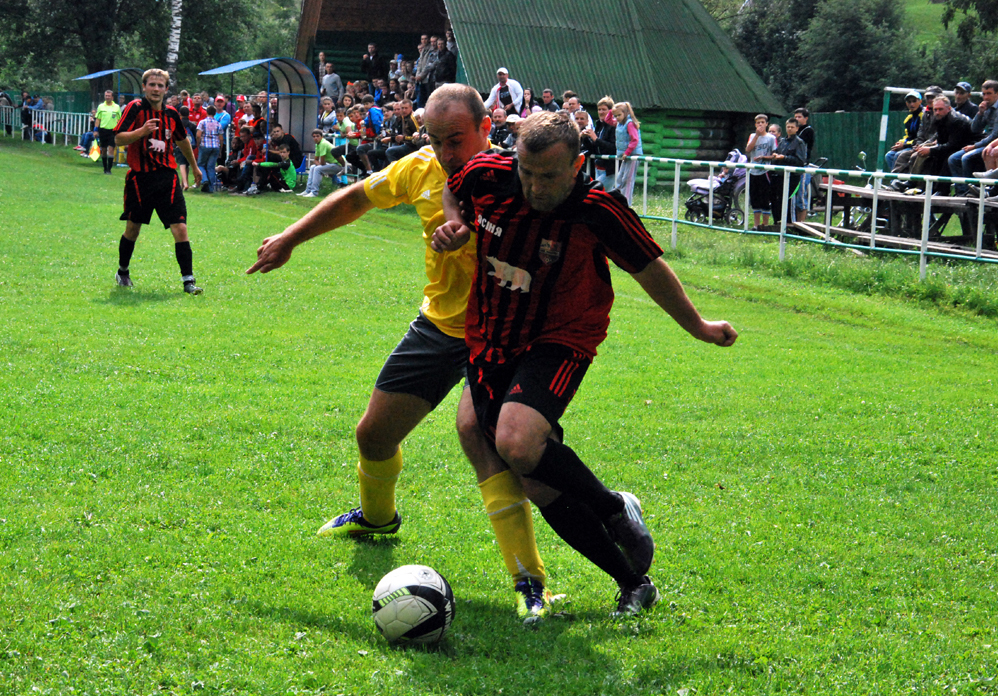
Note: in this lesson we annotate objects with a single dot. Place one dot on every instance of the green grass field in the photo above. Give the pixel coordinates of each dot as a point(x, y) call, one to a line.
point(822, 494)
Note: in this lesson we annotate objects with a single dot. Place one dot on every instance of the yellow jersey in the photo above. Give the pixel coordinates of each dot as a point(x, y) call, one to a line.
point(107, 116)
point(418, 179)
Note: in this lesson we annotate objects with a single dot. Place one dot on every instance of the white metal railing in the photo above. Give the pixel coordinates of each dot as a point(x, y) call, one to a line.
point(876, 180)
point(67, 124)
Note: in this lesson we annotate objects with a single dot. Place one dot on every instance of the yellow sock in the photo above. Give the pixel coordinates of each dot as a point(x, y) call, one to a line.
point(509, 513)
point(377, 488)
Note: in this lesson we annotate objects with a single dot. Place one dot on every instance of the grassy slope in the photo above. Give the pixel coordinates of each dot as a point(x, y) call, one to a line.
point(925, 18)
point(822, 494)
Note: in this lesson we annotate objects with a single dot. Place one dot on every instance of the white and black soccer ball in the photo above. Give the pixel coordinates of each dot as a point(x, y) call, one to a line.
point(413, 604)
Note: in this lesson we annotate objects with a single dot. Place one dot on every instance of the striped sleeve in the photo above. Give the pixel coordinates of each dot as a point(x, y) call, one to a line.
point(128, 116)
point(618, 228)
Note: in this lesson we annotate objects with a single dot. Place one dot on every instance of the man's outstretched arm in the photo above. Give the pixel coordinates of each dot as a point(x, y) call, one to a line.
point(338, 209)
point(664, 287)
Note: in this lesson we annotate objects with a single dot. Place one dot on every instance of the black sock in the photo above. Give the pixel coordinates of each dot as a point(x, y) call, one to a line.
point(125, 248)
point(103, 162)
point(578, 525)
point(561, 469)
point(185, 259)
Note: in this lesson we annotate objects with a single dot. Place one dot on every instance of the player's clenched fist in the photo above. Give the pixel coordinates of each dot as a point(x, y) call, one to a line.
point(450, 236)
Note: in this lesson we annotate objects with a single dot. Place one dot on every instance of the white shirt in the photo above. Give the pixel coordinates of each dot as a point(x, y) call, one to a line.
point(515, 91)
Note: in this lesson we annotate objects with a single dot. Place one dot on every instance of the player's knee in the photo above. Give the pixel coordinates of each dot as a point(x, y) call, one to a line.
point(372, 440)
point(518, 450)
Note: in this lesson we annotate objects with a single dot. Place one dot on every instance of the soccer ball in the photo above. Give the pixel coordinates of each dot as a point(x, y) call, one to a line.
point(413, 604)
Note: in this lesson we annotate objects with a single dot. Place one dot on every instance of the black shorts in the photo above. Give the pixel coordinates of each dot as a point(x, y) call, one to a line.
point(105, 136)
point(158, 190)
point(759, 193)
point(545, 377)
point(426, 363)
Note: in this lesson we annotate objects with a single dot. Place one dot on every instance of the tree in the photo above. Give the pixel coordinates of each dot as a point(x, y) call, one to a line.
point(850, 51)
point(768, 34)
point(173, 42)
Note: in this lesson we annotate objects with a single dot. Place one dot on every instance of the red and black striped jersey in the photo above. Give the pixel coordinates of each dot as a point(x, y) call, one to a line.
point(155, 151)
point(543, 277)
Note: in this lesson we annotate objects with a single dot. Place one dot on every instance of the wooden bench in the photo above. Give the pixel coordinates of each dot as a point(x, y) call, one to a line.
point(902, 214)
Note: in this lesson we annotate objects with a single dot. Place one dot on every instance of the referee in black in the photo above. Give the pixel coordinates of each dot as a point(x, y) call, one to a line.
point(150, 129)
point(107, 117)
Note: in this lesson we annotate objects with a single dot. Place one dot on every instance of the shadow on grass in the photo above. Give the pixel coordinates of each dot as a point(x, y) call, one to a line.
point(373, 557)
point(125, 297)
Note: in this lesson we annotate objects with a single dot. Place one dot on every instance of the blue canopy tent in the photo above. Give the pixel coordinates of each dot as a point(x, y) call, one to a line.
point(132, 78)
point(296, 90)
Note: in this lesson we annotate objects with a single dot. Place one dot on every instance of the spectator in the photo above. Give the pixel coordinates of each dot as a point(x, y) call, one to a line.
point(373, 121)
point(450, 41)
point(245, 117)
point(761, 145)
point(29, 104)
point(970, 158)
point(589, 143)
point(395, 91)
point(252, 155)
point(606, 138)
point(278, 137)
point(108, 114)
point(529, 103)
point(426, 69)
point(353, 129)
point(776, 131)
point(394, 70)
point(182, 163)
point(378, 91)
point(513, 126)
point(790, 152)
point(913, 102)
point(332, 85)
point(962, 102)
point(408, 73)
point(373, 64)
point(547, 101)
point(328, 122)
point(628, 140)
point(320, 67)
point(953, 131)
point(500, 131)
point(257, 123)
point(565, 96)
point(909, 161)
point(420, 139)
point(391, 128)
point(227, 173)
point(802, 201)
point(506, 94)
point(87, 138)
point(403, 144)
point(240, 101)
point(446, 67)
point(209, 133)
point(322, 166)
point(185, 99)
point(222, 114)
point(277, 173)
point(573, 105)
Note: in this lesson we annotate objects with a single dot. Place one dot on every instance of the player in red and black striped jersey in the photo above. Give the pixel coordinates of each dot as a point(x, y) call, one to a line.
point(539, 308)
point(149, 129)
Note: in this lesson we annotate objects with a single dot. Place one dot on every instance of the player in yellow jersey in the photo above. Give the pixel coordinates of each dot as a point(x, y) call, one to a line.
point(432, 357)
point(107, 117)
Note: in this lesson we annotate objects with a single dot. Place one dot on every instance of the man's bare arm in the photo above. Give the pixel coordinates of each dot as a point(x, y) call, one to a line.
point(664, 287)
point(338, 209)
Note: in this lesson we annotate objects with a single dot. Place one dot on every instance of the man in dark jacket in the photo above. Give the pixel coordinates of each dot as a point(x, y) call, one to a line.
point(791, 152)
point(445, 70)
point(953, 131)
point(373, 64)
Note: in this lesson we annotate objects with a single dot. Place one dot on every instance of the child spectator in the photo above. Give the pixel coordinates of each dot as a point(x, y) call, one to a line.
point(280, 176)
point(761, 145)
point(628, 140)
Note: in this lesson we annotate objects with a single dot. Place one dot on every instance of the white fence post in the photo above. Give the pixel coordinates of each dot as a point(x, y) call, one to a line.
point(644, 200)
point(675, 208)
point(783, 216)
point(926, 217)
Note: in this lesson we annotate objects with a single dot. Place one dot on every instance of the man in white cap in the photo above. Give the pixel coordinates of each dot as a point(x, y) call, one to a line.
point(506, 94)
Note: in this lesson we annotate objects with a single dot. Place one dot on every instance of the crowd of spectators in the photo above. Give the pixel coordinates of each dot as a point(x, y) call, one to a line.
point(946, 137)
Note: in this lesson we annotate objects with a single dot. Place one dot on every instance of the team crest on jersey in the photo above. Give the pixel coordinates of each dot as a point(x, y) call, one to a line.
point(550, 251)
point(168, 133)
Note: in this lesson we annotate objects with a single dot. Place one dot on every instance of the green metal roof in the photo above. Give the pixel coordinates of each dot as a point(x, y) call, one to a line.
point(667, 54)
